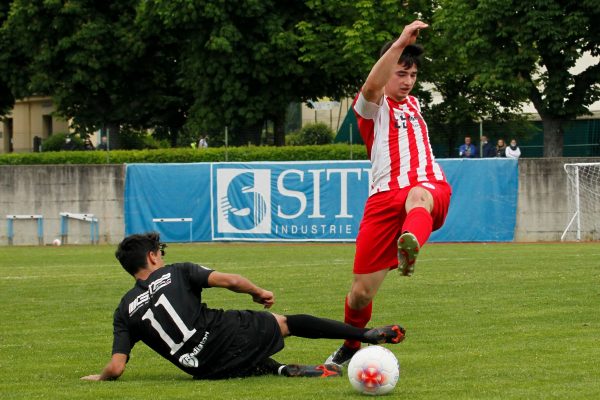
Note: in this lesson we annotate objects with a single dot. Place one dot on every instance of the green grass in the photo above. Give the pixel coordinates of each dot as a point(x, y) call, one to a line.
point(495, 321)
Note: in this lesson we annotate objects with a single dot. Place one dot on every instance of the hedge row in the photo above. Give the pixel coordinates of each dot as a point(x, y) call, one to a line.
point(185, 155)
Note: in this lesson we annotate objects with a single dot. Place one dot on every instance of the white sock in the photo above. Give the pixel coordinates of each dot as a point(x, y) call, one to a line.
point(280, 369)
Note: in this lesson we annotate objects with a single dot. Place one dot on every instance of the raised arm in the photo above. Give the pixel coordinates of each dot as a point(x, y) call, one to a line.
point(381, 72)
point(239, 284)
point(112, 371)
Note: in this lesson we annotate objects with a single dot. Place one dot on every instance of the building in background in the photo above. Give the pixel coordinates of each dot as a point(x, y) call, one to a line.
point(30, 121)
point(326, 111)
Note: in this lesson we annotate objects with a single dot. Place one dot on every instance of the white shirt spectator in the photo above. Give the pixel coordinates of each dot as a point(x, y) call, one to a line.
point(513, 150)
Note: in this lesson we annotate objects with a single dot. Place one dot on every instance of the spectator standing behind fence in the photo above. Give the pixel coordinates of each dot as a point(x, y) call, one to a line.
point(487, 149)
point(203, 142)
point(513, 150)
point(501, 148)
point(468, 149)
point(69, 144)
point(103, 143)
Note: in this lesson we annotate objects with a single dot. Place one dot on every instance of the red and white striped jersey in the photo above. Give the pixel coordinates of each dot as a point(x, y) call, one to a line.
point(397, 143)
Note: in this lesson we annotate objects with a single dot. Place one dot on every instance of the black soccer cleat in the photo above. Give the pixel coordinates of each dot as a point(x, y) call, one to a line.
point(341, 356)
point(386, 334)
point(311, 371)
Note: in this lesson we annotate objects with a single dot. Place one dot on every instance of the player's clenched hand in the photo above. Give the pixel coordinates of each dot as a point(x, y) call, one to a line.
point(410, 33)
point(264, 297)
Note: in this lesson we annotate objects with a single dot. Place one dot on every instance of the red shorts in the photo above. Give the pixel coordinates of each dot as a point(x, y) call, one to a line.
point(376, 243)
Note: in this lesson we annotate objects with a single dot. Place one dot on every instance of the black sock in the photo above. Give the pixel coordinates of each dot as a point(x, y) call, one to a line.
point(271, 367)
point(308, 326)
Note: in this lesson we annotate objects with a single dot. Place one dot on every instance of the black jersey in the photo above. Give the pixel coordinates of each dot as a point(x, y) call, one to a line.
point(166, 312)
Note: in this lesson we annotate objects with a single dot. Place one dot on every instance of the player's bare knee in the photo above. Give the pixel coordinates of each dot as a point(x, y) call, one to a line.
point(360, 296)
point(282, 322)
point(419, 197)
point(364, 288)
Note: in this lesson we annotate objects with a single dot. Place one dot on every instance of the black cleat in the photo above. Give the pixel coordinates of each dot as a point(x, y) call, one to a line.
point(341, 356)
point(385, 334)
point(311, 371)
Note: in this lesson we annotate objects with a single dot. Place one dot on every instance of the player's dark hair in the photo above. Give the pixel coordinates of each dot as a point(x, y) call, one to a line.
point(410, 55)
point(132, 251)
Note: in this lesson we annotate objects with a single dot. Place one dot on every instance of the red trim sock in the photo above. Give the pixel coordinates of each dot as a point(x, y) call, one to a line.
point(357, 318)
point(419, 223)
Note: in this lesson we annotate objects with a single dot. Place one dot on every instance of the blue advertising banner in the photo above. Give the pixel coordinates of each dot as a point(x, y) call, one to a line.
point(173, 199)
point(303, 201)
point(483, 207)
point(321, 201)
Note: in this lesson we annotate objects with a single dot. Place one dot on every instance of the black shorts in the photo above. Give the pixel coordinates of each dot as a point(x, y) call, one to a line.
point(258, 337)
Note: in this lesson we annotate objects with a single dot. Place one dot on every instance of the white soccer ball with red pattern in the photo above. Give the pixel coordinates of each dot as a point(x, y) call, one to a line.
point(374, 370)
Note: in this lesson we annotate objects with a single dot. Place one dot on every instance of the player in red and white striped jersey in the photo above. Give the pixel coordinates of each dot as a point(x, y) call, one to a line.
point(409, 195)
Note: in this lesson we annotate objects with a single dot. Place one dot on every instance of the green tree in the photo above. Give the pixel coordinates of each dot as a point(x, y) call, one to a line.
point(512, 51)
point(342, 38)
point(312, 134)
point(464, 102)
point(95, 62)
point(240, 59)
point(247, 60)
point(345, 38)
point(6, 97)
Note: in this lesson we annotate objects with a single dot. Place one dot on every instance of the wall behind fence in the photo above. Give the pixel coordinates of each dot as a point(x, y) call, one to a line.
point(541, 214)
point(52, 189)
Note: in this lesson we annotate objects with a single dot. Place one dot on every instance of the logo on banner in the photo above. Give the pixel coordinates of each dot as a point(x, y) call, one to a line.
point(243, 201)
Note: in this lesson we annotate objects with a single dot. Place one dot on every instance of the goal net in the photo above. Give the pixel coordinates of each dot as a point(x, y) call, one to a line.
point(583, 191)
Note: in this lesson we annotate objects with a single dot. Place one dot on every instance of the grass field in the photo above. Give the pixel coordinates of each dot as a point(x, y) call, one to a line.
point(495, 321)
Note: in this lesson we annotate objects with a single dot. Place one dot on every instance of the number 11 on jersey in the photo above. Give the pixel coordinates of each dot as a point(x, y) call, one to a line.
point(149, 315)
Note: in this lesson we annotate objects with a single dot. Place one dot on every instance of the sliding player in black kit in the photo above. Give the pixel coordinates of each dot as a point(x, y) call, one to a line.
point(164, 309)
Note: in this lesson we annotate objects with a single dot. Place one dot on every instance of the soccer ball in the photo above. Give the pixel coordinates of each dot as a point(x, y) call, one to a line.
point(56, 242)
point(374, 370)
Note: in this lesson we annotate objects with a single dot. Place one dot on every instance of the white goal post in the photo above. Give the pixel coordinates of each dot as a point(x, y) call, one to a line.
point(583, 191)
